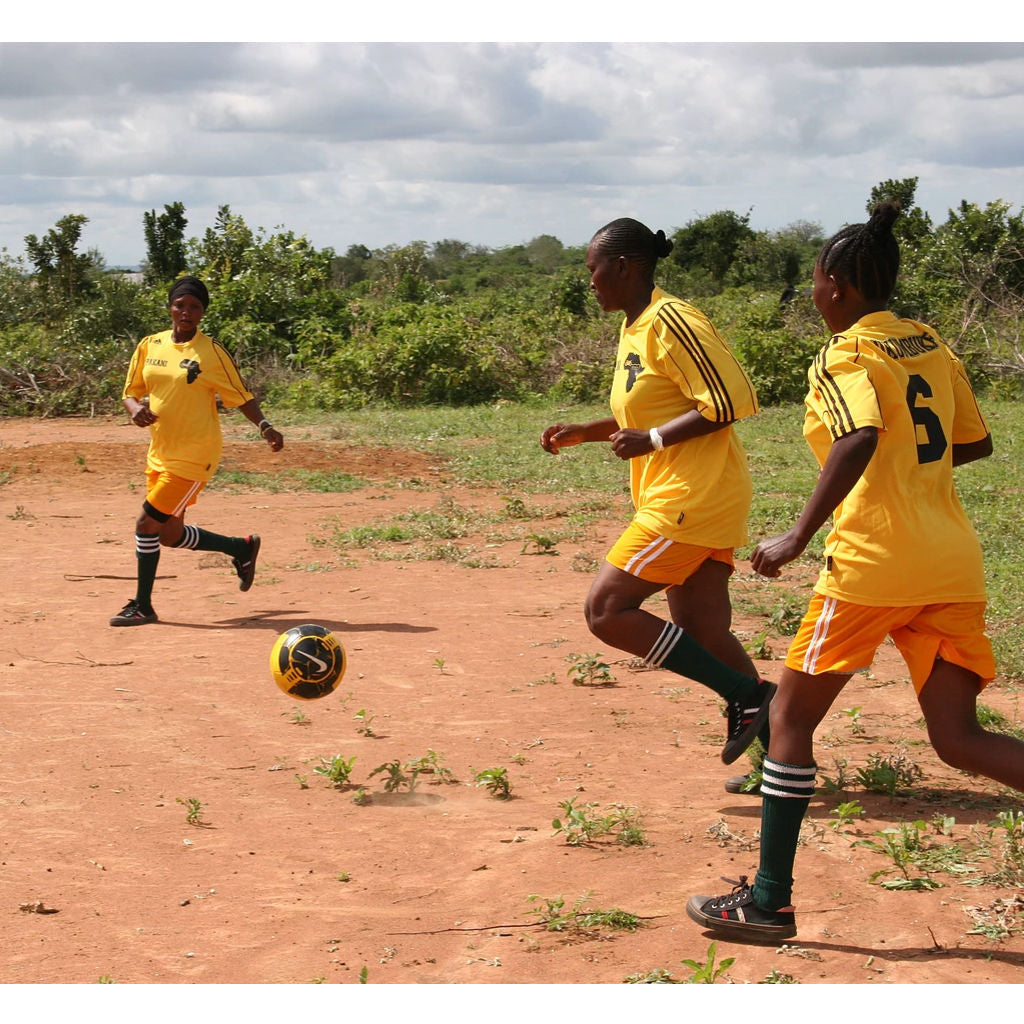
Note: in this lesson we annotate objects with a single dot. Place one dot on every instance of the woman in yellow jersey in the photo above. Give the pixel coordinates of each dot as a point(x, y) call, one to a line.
point(889, 414)
point(676, 392)
point(172, 386)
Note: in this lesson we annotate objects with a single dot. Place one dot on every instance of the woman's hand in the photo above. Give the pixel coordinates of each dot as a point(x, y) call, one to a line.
point(140, 414)
point(771, 555)
point(629, 443)
point(274, 438)
point(562, 435)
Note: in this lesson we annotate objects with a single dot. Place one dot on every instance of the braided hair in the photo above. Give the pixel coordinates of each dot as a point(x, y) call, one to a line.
point(628, 237)
point(866, 255)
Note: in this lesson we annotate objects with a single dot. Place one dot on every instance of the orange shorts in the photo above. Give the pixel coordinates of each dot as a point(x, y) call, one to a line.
point(171, 494)
point(644, 554)
point(837, 636)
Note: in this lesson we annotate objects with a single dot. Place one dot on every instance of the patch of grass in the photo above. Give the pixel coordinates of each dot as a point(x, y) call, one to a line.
point(581, 825)
point(888, 773)
point(287, 480)
point(579, 918)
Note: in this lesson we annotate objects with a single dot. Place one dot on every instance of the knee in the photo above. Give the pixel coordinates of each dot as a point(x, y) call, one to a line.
point(953, 745)
point(595, 614)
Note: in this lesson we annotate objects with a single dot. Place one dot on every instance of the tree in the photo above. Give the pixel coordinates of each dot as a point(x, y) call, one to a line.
point(711, 243)
point(165, 243)
point(914, 225)
point(222, 252)
point(58, 265)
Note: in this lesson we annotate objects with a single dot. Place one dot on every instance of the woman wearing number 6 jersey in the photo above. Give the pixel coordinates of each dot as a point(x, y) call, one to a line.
point(889, 414)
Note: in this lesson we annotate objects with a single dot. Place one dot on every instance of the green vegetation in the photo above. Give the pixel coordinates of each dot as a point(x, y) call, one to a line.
point(580, 918)
point(581, 825)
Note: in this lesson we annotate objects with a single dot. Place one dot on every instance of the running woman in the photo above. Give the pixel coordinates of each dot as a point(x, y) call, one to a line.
point(173, 382)
point(676, 393)
point(889, 414)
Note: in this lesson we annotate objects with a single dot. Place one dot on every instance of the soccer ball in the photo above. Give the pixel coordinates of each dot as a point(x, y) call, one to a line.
point(307, 662)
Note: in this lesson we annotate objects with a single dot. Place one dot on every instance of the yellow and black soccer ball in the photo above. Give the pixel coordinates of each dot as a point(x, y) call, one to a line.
point(307, 662)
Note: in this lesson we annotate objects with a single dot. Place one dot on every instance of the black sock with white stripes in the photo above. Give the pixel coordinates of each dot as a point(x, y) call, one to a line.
point(147, 556)
point(197, 539)
point(680, 653)
point(786, 791)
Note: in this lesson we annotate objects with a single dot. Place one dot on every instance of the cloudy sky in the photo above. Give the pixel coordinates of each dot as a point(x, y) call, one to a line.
point(493, 143)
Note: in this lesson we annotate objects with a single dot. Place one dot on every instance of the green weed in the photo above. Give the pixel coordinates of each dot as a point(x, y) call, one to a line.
point(708, 973)
point(193, 810)
point(495, 781)
point(845, 814)
point(589, 670)
point(396, 776)
point(889, 774)
point(579, 918)
point(336, 770)
point(581, 825)
point(431, 763)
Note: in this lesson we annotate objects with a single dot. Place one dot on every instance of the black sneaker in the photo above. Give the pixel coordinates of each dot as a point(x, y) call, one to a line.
point(246, 567)
point(132, 615)
point(743, 784)
point(745, 722)
point(738, 915)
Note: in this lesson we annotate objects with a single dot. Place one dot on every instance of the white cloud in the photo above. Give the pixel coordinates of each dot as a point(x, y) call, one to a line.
point(495, 143)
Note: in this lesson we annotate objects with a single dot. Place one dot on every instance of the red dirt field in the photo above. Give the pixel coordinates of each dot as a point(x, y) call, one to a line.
point(108, 734)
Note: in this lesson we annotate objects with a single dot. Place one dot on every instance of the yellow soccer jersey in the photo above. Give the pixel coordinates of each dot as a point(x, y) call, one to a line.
point(183, 381)
point(672, 360)
point(901, 536)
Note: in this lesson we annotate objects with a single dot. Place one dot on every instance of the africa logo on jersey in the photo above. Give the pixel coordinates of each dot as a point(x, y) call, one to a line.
point(191, 368)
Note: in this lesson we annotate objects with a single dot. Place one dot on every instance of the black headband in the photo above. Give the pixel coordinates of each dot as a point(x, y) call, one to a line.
point(189, 286)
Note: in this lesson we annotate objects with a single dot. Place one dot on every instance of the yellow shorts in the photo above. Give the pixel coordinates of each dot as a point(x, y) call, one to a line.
point(171, 494)
point(644, 554)
point(836, 636)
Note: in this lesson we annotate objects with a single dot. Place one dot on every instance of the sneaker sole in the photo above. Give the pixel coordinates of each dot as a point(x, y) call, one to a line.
point(244, 585)
point(744, 929)
point(144, 620)
point(736, 783)
point(733, 748)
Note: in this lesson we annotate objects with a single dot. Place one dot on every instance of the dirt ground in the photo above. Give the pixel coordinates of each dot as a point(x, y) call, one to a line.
point(109, 737)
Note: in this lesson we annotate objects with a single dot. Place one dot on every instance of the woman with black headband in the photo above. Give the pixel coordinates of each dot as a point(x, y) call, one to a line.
point(172, 386)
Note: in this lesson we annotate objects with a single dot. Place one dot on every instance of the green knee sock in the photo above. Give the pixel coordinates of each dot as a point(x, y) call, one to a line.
point(147, 556)
point(786, 791)
point(680, 653)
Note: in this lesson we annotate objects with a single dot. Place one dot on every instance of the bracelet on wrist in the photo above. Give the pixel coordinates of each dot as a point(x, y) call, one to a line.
point(657, 441)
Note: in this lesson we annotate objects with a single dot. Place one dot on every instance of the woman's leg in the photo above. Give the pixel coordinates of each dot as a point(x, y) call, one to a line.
point(949, 702)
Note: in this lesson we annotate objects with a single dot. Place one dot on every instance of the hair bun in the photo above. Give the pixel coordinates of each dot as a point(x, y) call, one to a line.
point(662, 245)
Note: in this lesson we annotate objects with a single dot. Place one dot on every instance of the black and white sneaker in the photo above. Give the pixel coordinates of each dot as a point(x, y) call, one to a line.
point(746, 720)
point(737, 915)
point(134, 615)
point(246, 567)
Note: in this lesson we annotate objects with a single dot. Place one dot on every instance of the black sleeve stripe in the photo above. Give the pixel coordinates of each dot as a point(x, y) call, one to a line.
point(683, 333)
point(832, 395)
point(230, 368)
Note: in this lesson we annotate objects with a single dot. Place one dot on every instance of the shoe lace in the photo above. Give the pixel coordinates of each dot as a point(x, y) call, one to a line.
point(739, 890)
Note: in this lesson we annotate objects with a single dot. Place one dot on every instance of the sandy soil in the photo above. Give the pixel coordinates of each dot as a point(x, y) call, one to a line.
point(108, 734)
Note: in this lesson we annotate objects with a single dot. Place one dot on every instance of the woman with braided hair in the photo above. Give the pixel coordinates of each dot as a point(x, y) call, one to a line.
point(676, 393)
point(889, 414)
point(173, 382)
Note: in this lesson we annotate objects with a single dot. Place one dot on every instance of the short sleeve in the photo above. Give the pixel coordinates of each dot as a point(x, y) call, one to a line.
point(691, 352)
point(841, 390)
